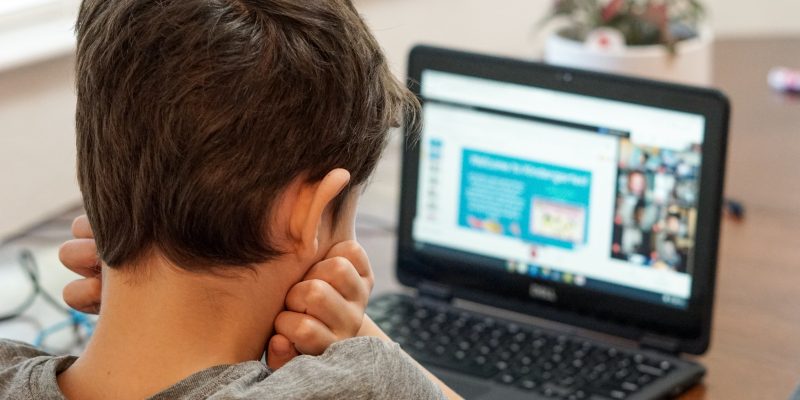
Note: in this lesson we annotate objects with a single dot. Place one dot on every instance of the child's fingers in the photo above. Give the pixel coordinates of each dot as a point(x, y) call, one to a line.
point(340, 273)
point(353, 251)
point(80, 256)
point(83, 295)
point(280, 351)
point(320, 300)
point(81, 228)
point(309, 335)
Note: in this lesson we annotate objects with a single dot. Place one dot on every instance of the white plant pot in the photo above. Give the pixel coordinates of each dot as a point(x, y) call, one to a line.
point(691, 64)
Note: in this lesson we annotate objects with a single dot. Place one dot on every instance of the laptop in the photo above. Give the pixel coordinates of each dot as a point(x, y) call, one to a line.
point(558, 230)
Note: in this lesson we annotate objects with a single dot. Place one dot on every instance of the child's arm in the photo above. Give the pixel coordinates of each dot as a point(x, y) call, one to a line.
point(369, 328)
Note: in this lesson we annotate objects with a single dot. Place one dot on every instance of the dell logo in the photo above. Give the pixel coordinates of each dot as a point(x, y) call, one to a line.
point(542, 292)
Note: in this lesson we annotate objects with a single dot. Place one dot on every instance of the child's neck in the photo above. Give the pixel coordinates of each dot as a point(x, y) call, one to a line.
point(157, 331)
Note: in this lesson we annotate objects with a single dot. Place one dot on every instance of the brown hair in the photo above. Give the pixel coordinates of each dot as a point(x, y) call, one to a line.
point(194, 115)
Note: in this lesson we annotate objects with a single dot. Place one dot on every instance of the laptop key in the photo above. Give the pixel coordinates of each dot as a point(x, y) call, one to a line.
point(649, 370)
point(553, 390)
point(567, 382)
point(622, 373)
point(528, 384)
point(630, 386)
point(506, 378)
point(501, 365)
point(618, 394)
point(577, 395)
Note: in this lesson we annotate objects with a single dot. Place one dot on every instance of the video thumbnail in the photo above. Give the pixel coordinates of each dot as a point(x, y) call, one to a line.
point(656, 205)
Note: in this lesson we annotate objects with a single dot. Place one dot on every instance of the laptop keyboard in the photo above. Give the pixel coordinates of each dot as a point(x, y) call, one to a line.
point(554, 365)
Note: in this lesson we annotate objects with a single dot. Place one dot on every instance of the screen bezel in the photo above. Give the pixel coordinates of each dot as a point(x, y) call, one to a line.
point(604, 312)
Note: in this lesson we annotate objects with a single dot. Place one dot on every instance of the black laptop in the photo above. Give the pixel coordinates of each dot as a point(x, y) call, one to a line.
point(560, 229)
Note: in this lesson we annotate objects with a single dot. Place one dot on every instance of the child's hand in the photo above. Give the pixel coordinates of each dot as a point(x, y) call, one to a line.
point(326, 307)
point(80, 256)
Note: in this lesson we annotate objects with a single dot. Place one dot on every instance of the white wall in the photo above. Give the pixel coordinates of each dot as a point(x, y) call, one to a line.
point(497, 26)
point(755, 17)
point(37, 102)
point(37, 143)
point(509, 26)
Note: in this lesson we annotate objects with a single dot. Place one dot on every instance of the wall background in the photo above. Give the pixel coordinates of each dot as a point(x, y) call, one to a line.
point(37, 143)
point(37, 102)
point(508, 26)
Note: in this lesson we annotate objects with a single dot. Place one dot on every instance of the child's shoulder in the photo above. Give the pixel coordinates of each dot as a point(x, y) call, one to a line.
point(13, 353)
point(361, 367)
point(357, 368)
point(27, 372)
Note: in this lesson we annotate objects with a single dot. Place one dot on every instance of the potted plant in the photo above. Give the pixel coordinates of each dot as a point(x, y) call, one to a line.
point(659, 39)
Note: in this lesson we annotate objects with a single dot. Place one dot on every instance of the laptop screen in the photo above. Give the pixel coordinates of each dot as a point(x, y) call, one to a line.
point(560, 187)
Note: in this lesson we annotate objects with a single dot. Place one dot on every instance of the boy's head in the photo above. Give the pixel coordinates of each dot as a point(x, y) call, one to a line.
point(194, 116)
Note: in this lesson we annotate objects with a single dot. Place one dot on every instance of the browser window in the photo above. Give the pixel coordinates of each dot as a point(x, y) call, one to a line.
point(562, 187)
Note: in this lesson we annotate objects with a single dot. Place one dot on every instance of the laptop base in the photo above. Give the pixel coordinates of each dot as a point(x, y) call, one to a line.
point(481, 356)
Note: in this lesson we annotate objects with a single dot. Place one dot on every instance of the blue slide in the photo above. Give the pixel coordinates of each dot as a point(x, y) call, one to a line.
point(543, 204)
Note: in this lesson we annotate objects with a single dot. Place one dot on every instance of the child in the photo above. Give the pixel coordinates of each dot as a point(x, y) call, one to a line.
point(222, 145)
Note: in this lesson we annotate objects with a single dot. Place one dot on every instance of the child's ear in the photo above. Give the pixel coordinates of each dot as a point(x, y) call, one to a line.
point(309, 208)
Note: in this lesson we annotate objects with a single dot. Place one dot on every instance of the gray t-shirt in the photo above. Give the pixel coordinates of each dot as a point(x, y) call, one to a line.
point(358, 368)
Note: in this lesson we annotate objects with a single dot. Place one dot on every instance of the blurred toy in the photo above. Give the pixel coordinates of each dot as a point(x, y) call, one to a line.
point(784, 80)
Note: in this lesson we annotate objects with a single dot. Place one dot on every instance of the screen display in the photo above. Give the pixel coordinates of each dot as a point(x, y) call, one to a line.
point(560, 187)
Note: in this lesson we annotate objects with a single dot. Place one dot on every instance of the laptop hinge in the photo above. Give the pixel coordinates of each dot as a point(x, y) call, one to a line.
point(660, 343)
point(435, 291)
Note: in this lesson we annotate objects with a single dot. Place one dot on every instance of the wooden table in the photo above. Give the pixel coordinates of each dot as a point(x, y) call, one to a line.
point(755, 349)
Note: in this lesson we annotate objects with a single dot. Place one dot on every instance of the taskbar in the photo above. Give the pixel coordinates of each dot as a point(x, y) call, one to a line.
point(554, 275)
point(548, 274)
point(610, 288)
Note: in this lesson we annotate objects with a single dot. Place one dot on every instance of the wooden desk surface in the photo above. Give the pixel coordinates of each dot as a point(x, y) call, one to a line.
point(755, 349)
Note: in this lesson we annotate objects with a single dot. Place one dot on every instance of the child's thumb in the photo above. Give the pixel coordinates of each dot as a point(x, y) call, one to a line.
point(280, 351)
